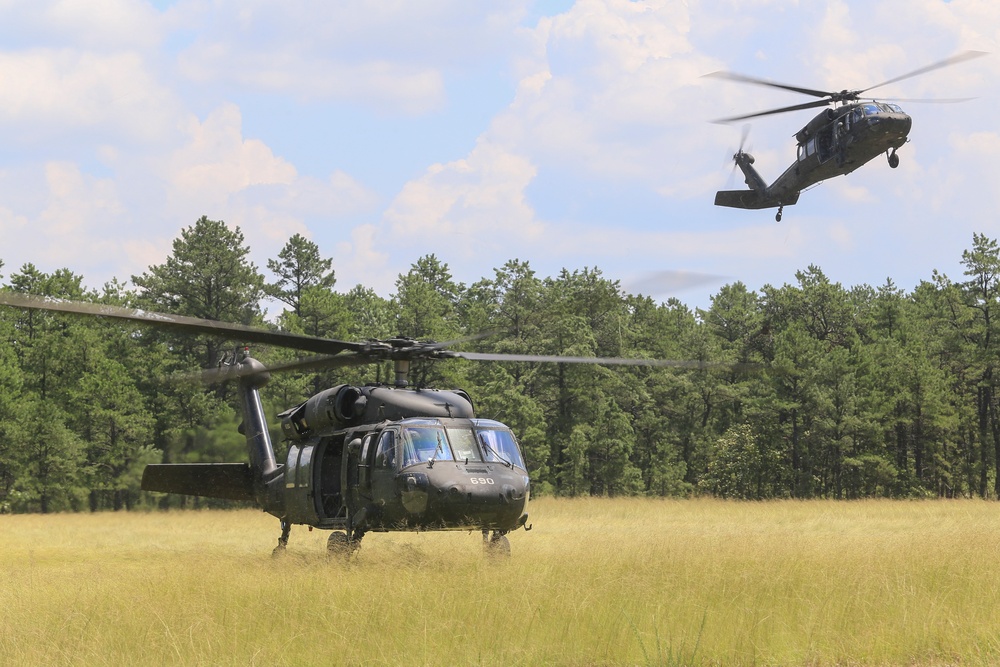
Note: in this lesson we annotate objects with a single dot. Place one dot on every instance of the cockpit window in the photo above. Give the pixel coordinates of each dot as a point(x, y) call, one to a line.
point(871, 109)
point(480, 440)
point(463, 442)
point(385, 456)
point(499, 447)
point(894, 107)
point(421, 443)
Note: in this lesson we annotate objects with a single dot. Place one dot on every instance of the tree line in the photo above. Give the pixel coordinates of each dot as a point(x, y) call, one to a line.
point(827, 391)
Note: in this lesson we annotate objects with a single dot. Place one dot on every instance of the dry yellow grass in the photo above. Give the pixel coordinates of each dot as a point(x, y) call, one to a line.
point(622, 581)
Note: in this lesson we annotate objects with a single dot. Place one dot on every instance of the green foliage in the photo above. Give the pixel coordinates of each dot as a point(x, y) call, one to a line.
point(53, 455)
point(299, 267)
point(207, 276)
point(741, 466)
point(843, 393)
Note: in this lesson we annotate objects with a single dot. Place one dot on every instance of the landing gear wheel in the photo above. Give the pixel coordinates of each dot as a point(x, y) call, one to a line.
point(893, 159)
point(279, 551)
point(339, 546)
point(497, 545)
point(777, 216)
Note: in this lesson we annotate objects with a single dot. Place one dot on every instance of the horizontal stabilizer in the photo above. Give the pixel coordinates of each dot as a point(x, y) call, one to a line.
point(230, 481)
point(751, 199)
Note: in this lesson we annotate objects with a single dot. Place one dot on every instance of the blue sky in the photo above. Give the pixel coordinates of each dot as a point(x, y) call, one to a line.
point(568, 134)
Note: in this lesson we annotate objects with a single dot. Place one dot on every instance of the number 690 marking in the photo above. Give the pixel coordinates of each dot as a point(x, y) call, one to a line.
point(481, 480)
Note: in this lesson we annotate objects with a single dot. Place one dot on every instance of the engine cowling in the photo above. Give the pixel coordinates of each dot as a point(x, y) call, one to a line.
point(334, 408)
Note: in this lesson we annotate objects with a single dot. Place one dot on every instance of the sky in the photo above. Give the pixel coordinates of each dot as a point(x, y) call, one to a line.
point(568, 134)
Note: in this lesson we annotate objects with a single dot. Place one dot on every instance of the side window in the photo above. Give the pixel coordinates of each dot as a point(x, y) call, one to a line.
point(385, 457)
point(366, 446)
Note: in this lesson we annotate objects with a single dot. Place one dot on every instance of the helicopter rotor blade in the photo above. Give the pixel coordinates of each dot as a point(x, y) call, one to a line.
point(744, 133)
point(334, 353)
point(947, 62)
point(326, 362)
point(927, 100)
point(795, 107)
point(743, 78)
point(834, 96)
point(243, 333)
point(234, 372)
point(602, 361)
point(427, 347)
point(731, 156)
point(376, 351)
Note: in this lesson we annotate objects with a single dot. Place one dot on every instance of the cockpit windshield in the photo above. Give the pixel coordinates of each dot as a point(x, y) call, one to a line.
point(463, 440)
point(476, 440)
point(499, 447)
point(873, 108)
point(423, 443)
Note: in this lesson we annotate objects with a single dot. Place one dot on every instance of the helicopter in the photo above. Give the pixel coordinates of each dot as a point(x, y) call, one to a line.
point(835, 142)
point(359, 459)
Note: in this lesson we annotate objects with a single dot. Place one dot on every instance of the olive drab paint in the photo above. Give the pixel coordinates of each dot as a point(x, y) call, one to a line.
point(835, 142)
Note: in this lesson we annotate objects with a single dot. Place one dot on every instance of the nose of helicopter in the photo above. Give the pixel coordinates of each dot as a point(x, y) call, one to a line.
point(438, 496)
point(482, 494)
point(893, 126)
point(502, 501)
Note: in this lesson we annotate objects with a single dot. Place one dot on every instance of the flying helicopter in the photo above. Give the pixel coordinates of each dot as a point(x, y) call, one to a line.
point(835, 142)
point(378, 457)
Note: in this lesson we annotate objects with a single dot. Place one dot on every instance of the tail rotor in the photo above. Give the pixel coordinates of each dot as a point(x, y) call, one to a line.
point(739, 155)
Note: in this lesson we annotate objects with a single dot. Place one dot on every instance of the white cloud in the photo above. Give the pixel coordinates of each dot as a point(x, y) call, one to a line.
point(852, 191)
point(362, 260)
point(390, 57)
point(483, 193)
point(980, 144)
point(65, 226)
point(381, 84)
point(94, 25)
point(273, 213)
point(102, 24)
point(841, 235)
point(11, 223)
point(597, 100)
point(220, 173)
point(217, 161)
point(46, 92)
point(613, 90)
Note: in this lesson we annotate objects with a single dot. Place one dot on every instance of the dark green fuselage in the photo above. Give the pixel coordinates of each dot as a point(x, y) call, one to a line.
point(835, 143)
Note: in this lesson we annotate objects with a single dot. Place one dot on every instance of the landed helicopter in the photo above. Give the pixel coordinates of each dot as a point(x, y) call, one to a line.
point(834, 143)
point(359, 458)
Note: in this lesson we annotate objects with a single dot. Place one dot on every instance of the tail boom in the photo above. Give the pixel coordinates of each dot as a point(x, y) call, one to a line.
point(759, 195)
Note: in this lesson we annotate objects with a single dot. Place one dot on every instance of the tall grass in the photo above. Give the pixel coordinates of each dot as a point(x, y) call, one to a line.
point(616, 582)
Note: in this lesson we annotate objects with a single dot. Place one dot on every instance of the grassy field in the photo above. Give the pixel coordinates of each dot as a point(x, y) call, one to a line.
point(597, 582)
